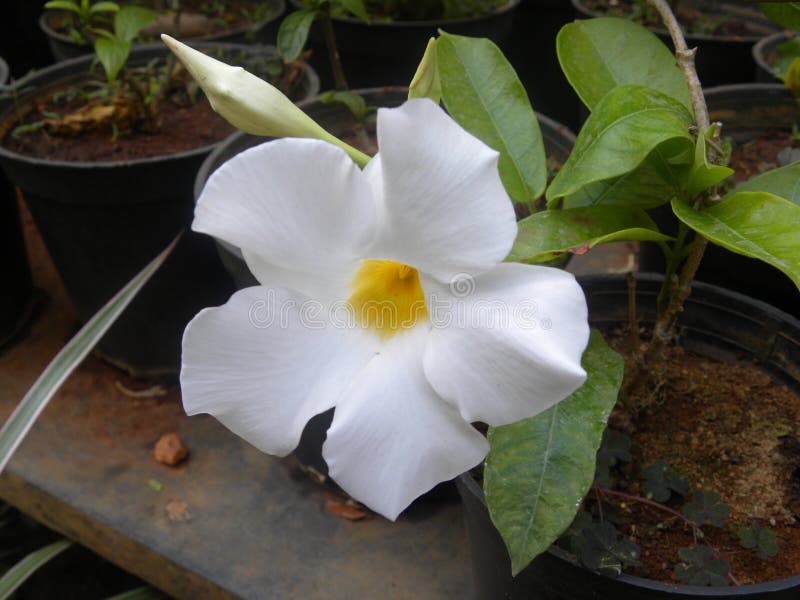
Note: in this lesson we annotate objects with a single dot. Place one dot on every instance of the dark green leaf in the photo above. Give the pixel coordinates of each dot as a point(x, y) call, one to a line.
point(550, 233)
point(783, 13)
point(701, 568)
point(614, 448)
point(130, 20)
point(624, 128)
point(761, 538)
point(783, 182)
point(539, 469)
point(354, 103)
point(355, 7)
point(63, 5)
point(484, 95)
point(599, 549)
point(705, 507)
point(140, 593)
point(598, 55)
point(293, 33)
point(659, 483)
point(755, 224)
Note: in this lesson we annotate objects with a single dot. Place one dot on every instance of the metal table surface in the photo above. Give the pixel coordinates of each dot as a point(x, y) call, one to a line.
point(229, 522)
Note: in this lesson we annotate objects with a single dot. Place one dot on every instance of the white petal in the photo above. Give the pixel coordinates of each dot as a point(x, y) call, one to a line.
point(265, 363)
point(445, 208)
point(392, 438)
point(512, 347)
point(297, 206)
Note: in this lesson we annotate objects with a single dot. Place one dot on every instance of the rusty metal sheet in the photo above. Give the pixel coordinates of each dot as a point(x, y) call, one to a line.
point(228, 522)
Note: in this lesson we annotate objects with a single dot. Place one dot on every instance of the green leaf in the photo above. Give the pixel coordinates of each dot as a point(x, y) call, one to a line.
point(755, 224)
point(140, 593)
point(703, 175)
point(705, 507)
point(659, 482)
point(550, 233)
point(63, 5)
point(783, 182)
point(355, 7)
point(20, 572)
point(598, 55)
point(788, 53)
point(783, 13)
point(539, 469)
point(130, 20)
point(425, 83)
point(701, 568)
point(113, 54)
point(484, 95)
point(643, 187)
point(599, 548)
point(293, 33)
point(355, 103)
point(761, 538)
point(70, 356)
point(104, 7)
point(624, 128)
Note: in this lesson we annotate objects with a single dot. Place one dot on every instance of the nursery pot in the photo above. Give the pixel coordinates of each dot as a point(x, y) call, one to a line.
point(63, 47)
point(716, 323)
point(17, 300)
point(103, 221)
point(720, 59)
point(388, 52)
point(765, 55)
point(746, 111)
point(337, 119)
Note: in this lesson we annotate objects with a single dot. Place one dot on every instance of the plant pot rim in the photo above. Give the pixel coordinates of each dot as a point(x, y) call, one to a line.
point(500, 10)
point(4, 72)
point(468, 484)
point(280, 6)
point(761, 47)
point(53, 73)
point(733, 88)
point(690, 37)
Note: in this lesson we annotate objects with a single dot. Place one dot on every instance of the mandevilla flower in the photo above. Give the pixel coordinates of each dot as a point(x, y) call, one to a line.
point(383, 295)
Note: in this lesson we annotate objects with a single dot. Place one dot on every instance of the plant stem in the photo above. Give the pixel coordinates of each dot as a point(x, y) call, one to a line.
point(696, 531)
point(339, 81)
point(685, 57)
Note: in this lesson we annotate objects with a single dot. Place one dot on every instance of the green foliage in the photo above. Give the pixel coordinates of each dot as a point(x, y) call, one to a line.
point(755, 224)
point(20, 572)
point(546, 235)
point(44, 388)
point(596, 57)
point(627, 125)
point(113, 49)
point(705, 507)
point(539, 469)
point(783, 182)
point(760, 538)
point(599, 548)
point(354, 103)
point(700, 567)
point(783, 13)
point(704, 175)
point(614, 449)
point(483, 94)
point(658, 482)
point(86, 16)
point(293, 33)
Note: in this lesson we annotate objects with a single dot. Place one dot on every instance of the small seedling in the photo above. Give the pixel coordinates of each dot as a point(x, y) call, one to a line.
point(705, 507)
point(760, 538)
point(701, 567)
point(659, 482)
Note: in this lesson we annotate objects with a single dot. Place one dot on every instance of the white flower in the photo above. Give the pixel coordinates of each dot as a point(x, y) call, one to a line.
point(330, 243)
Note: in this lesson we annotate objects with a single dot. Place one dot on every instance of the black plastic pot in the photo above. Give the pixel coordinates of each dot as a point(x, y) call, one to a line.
point(63, 47)
point(338, 120)
point(765, 55)
point(716, 323)
point(746, 111)
point(720, 59)
point(532, 52)
point(387, 53)
point(102, 222)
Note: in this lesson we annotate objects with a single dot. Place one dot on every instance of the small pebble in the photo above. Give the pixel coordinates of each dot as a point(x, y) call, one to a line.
point(170, 450)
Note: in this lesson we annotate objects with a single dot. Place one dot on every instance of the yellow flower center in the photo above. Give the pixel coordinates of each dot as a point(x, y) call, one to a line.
point(387, 297)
